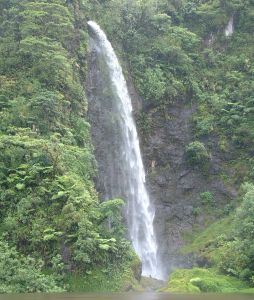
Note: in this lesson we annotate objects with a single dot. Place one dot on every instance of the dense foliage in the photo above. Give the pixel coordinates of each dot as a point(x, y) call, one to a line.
point(199, 280)
point(236, 251)
point(227, 245)
point(21, 274)
point(197, 154)
point(175, 52)
point(178, 52)
point(49, 207)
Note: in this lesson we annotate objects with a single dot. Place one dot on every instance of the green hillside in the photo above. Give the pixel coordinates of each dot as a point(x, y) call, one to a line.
point(53, 226)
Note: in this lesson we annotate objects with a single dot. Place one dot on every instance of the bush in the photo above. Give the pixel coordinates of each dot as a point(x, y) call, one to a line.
point(153, 85)
point(207, 198)
point(204, 125)
point(198, 280)
point(196, 154)
point(206, 284)
point(196, 211)
point(236, 256)
point(20, 274)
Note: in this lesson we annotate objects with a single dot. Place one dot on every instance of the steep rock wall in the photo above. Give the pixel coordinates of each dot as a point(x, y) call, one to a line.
point(175, 186)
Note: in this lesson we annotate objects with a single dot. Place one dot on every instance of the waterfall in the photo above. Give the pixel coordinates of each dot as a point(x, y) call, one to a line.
point(124, 175)
point(229, 30)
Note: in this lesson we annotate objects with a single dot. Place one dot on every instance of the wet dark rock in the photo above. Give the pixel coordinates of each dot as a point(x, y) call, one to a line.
point(150, 284)
point(175, 186)
point(137, 269)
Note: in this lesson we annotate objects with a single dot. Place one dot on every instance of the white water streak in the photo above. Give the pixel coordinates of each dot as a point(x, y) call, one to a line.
point(229, 30)
point(140, 212)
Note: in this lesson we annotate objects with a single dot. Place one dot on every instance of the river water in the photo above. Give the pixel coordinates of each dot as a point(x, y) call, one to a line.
point(125, 296)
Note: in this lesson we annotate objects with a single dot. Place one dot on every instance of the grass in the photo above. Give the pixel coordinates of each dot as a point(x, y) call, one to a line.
point(207, 244)
point(204, 243)
point(111, 279)
point(199, 280)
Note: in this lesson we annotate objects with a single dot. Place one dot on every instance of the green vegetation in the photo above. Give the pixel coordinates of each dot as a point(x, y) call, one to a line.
point(207, 198)
point(204, 281)
point(51, 219)
point(196, 154)
point(228, 243)
point(113, 278)
point(198, 242)
point(53, 227)
point(178, 54)
point(19, 274)
point(240, 244)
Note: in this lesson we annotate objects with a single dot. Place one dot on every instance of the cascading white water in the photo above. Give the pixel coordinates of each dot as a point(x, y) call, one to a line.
point(229, 30)
point(140, 212)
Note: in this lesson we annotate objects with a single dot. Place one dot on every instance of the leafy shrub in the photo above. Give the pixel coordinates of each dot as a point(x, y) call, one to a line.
point(111, 217)
point(153, 84)
point(206, 285)
point(196, 154)
point(204, 125)
point(198, 280)
point(196, 211)
point(236, 255)
point(20, 274)
point(206, 198)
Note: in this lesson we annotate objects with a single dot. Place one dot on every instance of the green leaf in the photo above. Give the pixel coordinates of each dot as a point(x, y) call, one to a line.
point(20, 186)
point(104, 247)
point(59, 195)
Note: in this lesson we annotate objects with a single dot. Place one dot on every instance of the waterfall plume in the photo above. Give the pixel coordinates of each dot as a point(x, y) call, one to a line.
point(125, 174)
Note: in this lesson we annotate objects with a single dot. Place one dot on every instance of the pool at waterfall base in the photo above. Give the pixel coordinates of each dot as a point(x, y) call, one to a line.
point(125, 296)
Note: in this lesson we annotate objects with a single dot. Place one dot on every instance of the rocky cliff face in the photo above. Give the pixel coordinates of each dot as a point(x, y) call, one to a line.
point(102, 116)
point(174, 185)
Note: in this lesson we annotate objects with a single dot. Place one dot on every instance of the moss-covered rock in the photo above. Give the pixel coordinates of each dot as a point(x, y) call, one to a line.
point(113, 278)
point(199, 280)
